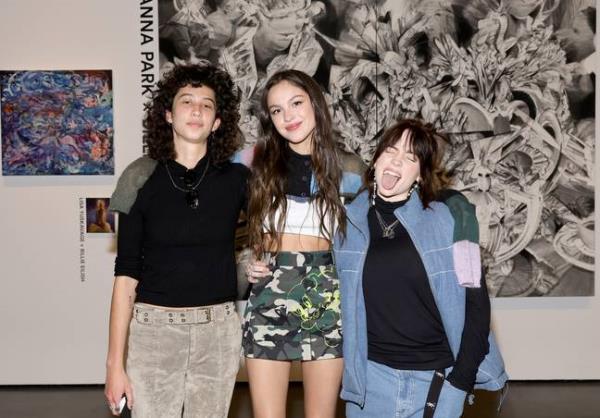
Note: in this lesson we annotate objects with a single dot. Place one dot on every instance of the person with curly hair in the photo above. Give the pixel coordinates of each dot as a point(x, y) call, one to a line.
point(296, 203)
point(175, 273)
point(415, 307)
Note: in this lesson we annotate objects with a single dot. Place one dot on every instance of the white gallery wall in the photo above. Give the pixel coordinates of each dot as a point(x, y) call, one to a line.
point(54, 326)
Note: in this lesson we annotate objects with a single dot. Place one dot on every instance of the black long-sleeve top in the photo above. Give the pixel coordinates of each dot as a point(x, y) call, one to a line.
point(182, 256)
point(404, 326)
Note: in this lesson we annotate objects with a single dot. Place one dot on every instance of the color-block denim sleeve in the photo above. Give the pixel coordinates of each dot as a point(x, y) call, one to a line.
point(465, 250)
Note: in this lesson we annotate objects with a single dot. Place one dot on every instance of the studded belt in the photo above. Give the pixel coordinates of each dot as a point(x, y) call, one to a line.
point(146, 314)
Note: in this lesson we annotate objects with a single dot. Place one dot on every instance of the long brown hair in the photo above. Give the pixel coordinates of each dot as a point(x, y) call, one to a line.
point(427, 145)
point(267, 186)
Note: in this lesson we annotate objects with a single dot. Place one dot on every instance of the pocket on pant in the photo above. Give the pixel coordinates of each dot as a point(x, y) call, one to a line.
point(451, 388)
point(142, 336)
point(234, 326)
point(232, 347)
point(141, 352)
point(232, 333)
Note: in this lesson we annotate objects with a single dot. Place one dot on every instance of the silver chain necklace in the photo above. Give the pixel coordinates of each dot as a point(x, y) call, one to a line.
point(191, 195)
point(387, 230)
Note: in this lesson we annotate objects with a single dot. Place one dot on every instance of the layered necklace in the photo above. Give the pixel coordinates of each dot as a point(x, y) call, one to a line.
point(387, 230)
point(191, 194)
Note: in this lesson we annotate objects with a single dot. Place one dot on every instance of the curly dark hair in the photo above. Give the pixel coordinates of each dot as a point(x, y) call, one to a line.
point(158, 134)
point(427, 145)
point(267, 184)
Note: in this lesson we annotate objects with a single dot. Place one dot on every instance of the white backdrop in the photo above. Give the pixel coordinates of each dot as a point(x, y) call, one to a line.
point(53, 326)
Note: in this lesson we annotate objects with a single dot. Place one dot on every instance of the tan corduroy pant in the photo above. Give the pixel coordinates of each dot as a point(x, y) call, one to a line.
point(183, 363)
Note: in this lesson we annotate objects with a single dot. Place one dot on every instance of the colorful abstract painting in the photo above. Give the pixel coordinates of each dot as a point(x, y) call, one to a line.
point(56, 123)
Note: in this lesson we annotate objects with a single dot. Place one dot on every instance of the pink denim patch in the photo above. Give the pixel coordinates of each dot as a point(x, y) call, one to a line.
point(467, 263)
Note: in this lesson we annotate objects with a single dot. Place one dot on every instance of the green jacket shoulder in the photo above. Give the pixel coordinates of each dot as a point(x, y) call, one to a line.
point(130, 182)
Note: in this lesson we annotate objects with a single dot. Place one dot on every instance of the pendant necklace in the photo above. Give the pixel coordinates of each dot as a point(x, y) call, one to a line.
point(387, 230)
point(191, 195)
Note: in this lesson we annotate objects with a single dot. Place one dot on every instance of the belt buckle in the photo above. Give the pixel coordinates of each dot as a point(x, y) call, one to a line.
point(208, 315)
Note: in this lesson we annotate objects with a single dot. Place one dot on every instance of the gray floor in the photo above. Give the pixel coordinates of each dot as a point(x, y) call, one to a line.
point(524, 400)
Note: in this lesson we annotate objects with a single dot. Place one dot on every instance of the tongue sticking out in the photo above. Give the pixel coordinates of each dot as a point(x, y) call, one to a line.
point(388, 181)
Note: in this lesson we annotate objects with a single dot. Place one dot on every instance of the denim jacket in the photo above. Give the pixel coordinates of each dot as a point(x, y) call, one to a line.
point(432, 232)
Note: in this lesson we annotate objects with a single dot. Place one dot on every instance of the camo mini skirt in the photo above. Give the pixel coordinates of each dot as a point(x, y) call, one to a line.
point(294, 314)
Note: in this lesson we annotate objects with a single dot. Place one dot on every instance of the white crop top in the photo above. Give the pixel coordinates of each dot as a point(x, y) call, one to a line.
point(301, 218)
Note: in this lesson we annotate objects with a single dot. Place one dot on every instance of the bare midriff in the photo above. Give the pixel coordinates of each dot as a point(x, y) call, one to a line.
point(297, 242)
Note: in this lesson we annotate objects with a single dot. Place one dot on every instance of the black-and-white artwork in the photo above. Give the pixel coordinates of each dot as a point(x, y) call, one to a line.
point(510, 82)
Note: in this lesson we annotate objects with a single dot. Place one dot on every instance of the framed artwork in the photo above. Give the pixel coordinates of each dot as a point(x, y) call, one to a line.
point(510, 83)
point(56, 122)
point(98, 218)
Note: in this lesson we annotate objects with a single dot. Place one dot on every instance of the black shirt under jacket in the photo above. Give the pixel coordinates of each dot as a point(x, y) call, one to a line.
point(182, 256)
point(404, 326)
point(299, 173)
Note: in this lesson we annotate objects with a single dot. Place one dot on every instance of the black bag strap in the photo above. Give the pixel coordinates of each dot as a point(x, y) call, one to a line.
point(434, 393)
